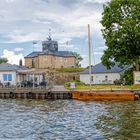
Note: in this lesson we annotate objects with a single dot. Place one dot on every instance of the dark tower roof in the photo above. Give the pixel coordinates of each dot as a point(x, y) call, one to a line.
point(49, 45)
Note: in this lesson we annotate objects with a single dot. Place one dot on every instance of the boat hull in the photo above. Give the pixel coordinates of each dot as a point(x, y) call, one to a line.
point(104, 95)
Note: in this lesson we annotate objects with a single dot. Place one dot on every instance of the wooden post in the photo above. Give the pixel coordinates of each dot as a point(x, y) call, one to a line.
point(33, 81)
point(89, 54)
point(16, 80)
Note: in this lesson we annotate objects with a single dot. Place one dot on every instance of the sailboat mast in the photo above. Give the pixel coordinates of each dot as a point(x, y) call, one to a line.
point(89, 46)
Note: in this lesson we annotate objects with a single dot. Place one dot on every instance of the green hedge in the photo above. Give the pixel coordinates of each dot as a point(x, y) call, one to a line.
point(70, 69)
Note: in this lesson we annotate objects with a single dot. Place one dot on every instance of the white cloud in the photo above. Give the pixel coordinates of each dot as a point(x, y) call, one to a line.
point(12, 57)
point(84, 56)
point(95, 1)
point(36, 20)
point(20, 37)
point(18, 49)
point(30, 20)
point(98, 53)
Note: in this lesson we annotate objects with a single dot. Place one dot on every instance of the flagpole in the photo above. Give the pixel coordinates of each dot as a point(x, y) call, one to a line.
point(34, 42)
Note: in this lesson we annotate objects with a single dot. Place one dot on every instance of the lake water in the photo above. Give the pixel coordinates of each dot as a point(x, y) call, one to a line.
point(69, 120)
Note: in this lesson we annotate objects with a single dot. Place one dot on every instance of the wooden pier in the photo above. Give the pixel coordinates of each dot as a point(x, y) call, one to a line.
point(30, 93)
point(62, 93)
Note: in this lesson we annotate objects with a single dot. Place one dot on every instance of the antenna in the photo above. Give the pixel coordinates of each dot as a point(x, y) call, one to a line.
point(49, 34)
point(67, 43)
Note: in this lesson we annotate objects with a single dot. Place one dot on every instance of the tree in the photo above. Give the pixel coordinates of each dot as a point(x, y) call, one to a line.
point(121, 22)
point(3, 60)
point(78, 59)
point(128, 76)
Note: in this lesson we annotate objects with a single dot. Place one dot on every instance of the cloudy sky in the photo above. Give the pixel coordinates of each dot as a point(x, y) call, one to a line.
point(24, 21)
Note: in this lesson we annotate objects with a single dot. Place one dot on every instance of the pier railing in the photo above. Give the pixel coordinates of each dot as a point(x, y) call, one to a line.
point(16, 87)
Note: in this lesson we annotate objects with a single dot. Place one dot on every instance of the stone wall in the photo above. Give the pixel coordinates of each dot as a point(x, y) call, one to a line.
point(50, 61)
point(56, 78)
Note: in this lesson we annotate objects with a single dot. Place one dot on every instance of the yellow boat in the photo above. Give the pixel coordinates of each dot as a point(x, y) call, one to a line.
point(104, 95)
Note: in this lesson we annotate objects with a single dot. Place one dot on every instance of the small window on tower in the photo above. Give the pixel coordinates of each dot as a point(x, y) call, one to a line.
point(33, 63)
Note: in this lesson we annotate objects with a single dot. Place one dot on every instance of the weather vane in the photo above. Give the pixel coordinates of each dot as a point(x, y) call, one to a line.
point(49, 34)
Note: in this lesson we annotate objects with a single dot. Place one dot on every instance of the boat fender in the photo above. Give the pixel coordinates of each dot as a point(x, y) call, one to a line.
point(69, 95)
point(52, 95)
point(137, 97)
point(48, 94)
point(12, 95)
point(29, 95)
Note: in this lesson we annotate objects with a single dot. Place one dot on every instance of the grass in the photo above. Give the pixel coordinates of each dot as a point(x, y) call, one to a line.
point(97, 87)
point(63, 70)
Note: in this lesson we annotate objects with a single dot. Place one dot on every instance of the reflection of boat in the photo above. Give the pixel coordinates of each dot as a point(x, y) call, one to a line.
point(101, 95)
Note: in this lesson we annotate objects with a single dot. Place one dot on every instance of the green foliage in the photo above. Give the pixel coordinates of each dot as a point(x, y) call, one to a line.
point(3, 60)
point(128, 76)
point(78, 59)
point(70, 70)
point(121, 22)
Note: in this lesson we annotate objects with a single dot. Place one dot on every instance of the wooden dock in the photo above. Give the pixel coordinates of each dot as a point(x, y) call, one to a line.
point(57, 93)
point(30, 93)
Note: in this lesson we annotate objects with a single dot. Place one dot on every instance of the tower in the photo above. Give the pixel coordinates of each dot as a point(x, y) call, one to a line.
point(49, 45)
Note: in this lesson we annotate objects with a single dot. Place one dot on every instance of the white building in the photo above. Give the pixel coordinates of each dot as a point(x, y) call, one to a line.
point(10, 73)
point(14, 74)
point(101, 75)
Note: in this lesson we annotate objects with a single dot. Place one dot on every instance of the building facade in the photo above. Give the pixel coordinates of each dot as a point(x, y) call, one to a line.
point(15, 75)
point(101, 75)
point(50, 57)
point(9, 74)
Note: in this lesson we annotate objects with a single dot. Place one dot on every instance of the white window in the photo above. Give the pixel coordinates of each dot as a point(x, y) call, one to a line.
point(7, 77)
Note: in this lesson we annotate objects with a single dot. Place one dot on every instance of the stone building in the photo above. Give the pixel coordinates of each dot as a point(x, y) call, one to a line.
point(50, 57)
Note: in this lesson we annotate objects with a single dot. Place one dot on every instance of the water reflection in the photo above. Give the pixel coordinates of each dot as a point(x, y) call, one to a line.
point(68, 119)
point(120, 121)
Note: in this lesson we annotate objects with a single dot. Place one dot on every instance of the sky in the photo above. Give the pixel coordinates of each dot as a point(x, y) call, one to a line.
point(24, 21)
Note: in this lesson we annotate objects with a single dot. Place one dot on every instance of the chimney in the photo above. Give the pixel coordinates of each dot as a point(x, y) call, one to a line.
point(20, 62)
